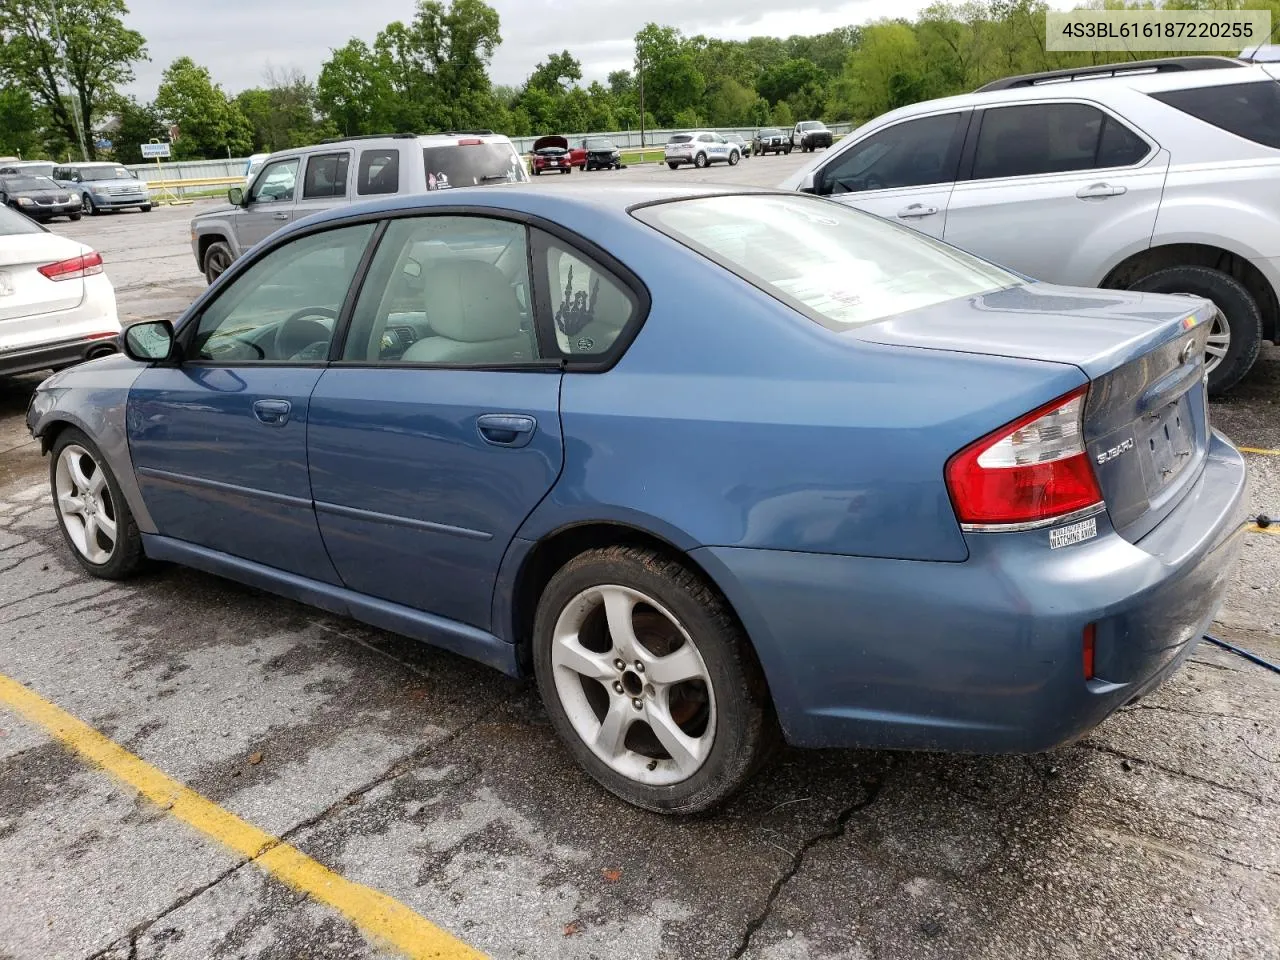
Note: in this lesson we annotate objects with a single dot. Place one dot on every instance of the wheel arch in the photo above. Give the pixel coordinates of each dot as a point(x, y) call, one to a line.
point(206, 240)
point(1235, 265)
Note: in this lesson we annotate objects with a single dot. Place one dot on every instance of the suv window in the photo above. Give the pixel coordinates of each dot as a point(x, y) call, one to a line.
point(1249, 110)
point(378, 172)
point(284, 307)
point(470, 165)
point(590, 306)
point(1051, 138)
point(275, 182)
point(326, 176)
point(680, 138)
point(908, 154)
point(446, 290)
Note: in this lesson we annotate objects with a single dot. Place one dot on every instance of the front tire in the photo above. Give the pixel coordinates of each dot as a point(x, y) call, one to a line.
point(145, 208)
point(787, 151)
point(94, 517)
point(87, 207)
point(216, 260)
point(73, 217)
point(1233, 348)
point(650, 681)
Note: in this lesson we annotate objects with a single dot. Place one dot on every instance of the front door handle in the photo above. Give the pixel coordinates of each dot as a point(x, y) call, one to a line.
point(506, 429)
point(1100, 190)
point(279, 216)
point(274, 413)
point(916, 211)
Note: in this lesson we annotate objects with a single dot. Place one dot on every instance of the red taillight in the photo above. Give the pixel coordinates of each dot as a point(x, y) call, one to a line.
point(1090, 641)
point(73, 269)
point(470, 142)
point(1030, 471)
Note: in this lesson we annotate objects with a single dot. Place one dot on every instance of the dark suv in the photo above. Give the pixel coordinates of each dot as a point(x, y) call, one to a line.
point(770, 140)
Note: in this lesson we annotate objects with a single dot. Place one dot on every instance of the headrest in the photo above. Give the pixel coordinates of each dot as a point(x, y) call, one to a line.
point(471, 301)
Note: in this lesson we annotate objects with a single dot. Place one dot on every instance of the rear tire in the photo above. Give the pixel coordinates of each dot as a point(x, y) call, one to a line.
point(631, 605)
point(673, 166)
point(73, 217)
point(1244, 319)
point(700, 161)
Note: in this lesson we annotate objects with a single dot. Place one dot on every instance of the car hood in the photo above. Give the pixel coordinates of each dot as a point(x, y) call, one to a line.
point(542, 143)
point(94, 184)
point(1095, 330)
point(42, 193)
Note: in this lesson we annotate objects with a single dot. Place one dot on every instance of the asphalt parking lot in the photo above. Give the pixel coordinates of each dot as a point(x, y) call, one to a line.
point(439, 784)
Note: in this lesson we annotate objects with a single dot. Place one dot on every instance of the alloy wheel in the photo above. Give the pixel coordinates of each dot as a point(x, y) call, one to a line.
point(633, 685)
point(86, 204)
point(1215, 350)
point(215, 264)
point(85, 505)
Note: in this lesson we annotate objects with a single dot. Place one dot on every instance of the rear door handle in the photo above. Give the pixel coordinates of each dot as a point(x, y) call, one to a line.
point(506, 429)
point(1099, 190)
point(915, 211)
point(274, 413)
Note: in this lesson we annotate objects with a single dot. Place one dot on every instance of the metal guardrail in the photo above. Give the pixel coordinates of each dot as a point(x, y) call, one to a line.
point(194, 183)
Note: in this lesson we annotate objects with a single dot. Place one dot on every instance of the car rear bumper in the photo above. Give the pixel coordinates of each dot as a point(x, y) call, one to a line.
point(50, 356)
point(986, 656)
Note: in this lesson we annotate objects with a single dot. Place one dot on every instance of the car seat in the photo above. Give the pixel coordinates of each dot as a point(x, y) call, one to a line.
point(475, 316)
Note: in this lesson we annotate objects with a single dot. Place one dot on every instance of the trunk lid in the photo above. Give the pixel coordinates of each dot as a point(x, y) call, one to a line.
point(1146, 420)
point(25, 293)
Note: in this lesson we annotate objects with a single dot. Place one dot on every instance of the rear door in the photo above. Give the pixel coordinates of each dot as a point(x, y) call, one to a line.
point(325, 183)
point(438, 431)
point(219, 441)
point(904, 172)
point(271, 202)
point(1051, 187)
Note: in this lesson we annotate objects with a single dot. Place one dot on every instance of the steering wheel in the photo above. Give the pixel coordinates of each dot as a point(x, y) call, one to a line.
point(300, 331)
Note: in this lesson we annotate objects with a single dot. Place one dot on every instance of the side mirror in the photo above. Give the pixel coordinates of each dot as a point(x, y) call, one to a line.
point(235, 196)
point(809, 184)
point(150, 342)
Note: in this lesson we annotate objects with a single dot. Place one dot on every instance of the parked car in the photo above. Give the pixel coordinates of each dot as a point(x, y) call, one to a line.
point(700, 149)
point(600, 153)
point(38, 197)
point(253, 165)
point(552, 154)
point(770, 140)
point(31, 168)
point(809, 135)
point(103, 186)
point(294, 183)
point(1154, 176)
point(906, 500)
point(744, 148)
point(57, 307)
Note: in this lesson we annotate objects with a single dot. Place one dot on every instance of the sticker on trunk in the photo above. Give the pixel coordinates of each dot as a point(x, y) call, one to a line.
point(1073, 533)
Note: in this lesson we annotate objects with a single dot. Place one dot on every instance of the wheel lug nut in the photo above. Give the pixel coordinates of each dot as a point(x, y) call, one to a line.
point(639, 667)
point(617, 687)
point(619, 665)
point(638, 704)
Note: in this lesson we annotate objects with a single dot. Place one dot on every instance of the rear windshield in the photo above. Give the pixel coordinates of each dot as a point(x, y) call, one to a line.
point(680, 138)
point(35, 170)
point(1249, 110)
point(12, 222)
point(472, 165)
point(29, 183)
point(104, 173)
point(838, 266)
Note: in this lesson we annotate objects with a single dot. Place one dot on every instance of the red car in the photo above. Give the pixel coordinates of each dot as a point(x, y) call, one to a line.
point(553, 154)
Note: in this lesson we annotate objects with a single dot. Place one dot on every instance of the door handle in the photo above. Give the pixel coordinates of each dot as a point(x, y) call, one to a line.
point(916, 211)
point(279, 216)
point(1100, 190)
point(506, 429)
point(274, 413)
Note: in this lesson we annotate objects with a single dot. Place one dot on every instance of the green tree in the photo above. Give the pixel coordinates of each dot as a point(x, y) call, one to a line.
point(672, 81)
point(84, 41)
point(784, 80)
point(20, 133)
point(353, 91)
point(209, 124)
point(782, 116)
point(556, 75)
point(136, 124)
point(622, 85)
point(284, 113)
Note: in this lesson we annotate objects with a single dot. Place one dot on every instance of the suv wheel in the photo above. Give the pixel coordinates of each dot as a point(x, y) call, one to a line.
point(733, 158)
point(1233, 346)
point(216, 260)
point(87, 207)
point(700, 161)
point(787, 150)
point(649, 680)
point(673, 166)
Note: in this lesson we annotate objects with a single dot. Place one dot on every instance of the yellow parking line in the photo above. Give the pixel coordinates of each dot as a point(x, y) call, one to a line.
point(1264, 452)
point(378, 915)
point(1254, 528)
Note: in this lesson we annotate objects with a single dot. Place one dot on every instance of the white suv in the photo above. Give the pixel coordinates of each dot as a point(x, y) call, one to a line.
point(700, 148)
point(1156, 175)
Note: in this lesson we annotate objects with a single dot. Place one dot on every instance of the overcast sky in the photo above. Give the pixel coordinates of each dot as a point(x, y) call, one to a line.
point(238, 39)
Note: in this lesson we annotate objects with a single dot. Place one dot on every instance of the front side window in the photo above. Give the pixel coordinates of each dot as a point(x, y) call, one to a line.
point(378, 172)
point(283, 308)
point(276, 182)
point(839, 267)
point(472, 165)
point(1052, 138)
point(590, 306)
point(326, 176)
point(909, 154)
point(1249, 110)
point(450, 291)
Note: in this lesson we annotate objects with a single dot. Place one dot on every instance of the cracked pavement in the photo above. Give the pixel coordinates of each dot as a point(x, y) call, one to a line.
point(441, 784)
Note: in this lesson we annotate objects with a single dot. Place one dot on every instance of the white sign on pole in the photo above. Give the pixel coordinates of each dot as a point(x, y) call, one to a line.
point(155, 151)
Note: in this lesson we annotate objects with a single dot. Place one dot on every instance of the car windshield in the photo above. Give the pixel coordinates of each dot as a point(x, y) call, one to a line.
point(811, 125)
point(104, 173)
point(29, 183)
point(771, 132)
point(470, 165)
point(839, 267)
point(12, 222)
point(598, 143)
point(734, 137)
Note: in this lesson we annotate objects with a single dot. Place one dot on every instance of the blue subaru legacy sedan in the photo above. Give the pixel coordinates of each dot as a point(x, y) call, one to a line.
point(718, 469)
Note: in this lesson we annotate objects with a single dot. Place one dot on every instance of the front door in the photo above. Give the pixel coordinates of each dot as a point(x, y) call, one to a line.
point(904, 172)
point(219, 442)
point(1051, 185)
point(438, 432)
point(271, 203)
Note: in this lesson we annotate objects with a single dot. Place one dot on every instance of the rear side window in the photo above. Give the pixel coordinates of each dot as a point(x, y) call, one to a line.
point(1249, 110)
point(378, 172)
point(1052, 138)
point(326, 176)
point(590, 307)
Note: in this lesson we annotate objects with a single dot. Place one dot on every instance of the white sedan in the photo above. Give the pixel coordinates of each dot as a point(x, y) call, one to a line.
point(57, 307)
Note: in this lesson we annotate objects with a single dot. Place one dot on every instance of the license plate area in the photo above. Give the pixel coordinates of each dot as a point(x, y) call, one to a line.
point(1166, 444)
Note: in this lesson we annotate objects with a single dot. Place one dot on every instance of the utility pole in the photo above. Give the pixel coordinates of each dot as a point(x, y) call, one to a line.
point(640, 65)
point(71, 94)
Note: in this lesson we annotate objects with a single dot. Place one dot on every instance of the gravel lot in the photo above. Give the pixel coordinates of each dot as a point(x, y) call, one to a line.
point(440, 783)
